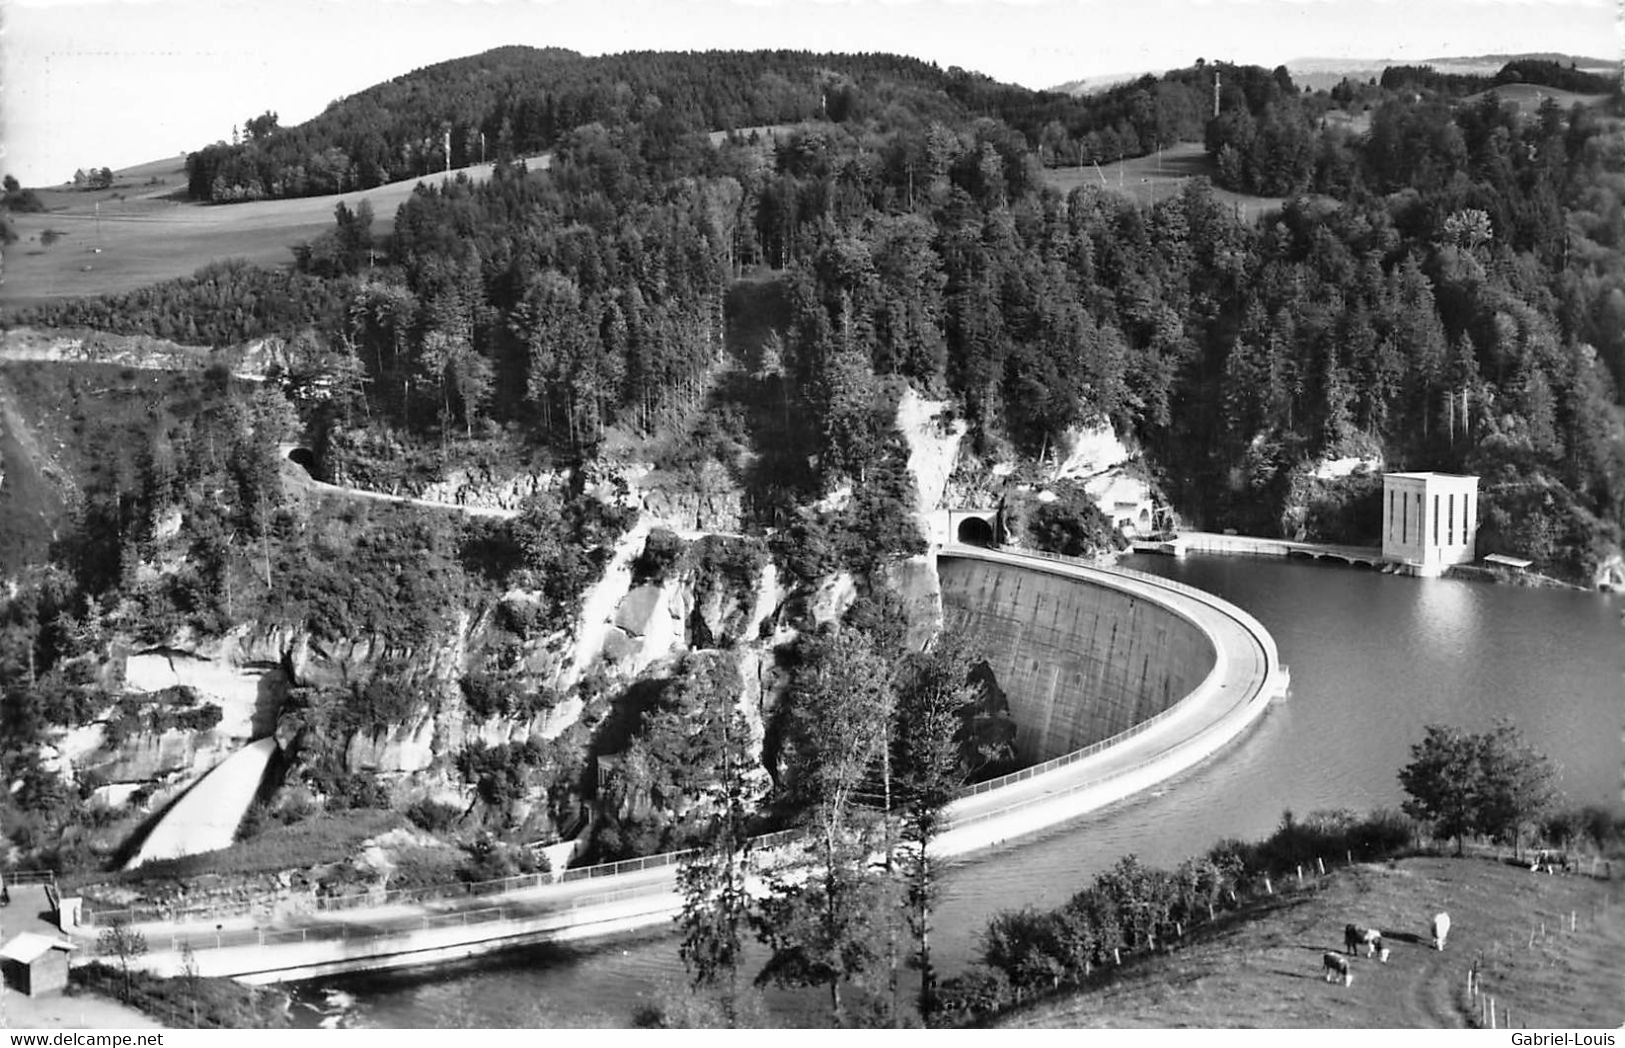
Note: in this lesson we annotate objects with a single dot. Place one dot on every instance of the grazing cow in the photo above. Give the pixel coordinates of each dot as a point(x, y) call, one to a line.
point(1336, 965)
point(1441, 928)
point(1355, 937)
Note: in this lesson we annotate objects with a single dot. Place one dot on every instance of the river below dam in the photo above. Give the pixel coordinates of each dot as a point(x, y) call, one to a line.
point(1374, 658)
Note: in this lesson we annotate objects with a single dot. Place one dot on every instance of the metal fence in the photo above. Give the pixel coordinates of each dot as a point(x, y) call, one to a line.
point(28, 877)
point(432, 893)
point(225, 939)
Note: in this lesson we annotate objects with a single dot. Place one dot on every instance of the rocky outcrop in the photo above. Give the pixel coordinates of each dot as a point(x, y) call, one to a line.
point(248, 690)
point(146, 756)
point(1108, 470)
point(706, 501)
point(486, 488)
point(832, 598)
point(1084, 452)
point(1348, 465)
point(933, 436)
point(1610, 575)
point(393, 749)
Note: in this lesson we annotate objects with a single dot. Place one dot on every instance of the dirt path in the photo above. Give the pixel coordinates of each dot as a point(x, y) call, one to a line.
point(80, 1011)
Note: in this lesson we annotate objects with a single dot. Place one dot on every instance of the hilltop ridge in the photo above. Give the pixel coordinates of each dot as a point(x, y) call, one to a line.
point(1317, 73)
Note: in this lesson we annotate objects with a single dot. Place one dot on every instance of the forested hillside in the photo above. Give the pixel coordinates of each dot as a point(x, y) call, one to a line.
point(1449, 298)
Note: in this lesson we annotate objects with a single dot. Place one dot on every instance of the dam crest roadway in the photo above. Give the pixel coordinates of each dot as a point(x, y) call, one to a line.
point(1190, 675)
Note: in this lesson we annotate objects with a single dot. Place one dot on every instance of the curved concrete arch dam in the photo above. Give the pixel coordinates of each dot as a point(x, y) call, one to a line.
point(1117, 681)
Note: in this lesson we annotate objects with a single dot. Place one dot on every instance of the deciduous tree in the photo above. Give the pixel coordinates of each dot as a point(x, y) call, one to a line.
point(123, 943)
point(820, 921)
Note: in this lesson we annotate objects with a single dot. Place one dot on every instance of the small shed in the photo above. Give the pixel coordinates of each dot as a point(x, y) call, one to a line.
point(35, 964)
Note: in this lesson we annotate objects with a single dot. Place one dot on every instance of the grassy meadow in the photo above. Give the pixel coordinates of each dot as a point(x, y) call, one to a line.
point(1148, 179)
point(143, 230)
point(1263, 969)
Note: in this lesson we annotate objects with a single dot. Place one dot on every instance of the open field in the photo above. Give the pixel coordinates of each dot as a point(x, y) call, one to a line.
point(1529, 97)
point(1148, 179)
point(142, 230)
point(1266, 972)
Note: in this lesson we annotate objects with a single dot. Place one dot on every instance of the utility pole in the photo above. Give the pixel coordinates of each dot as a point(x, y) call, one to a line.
point(1215, 94)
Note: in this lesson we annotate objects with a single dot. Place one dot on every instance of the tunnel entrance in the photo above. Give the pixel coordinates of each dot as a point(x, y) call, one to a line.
point(975, 531)
point(304, 458)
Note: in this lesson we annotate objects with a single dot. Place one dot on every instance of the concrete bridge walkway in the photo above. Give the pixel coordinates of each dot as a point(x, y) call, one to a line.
point(1251, 545)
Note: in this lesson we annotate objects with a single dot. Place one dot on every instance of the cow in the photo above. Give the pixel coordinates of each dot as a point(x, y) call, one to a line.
point(1337, 966)
point(1441, 928)
point(1355, 937)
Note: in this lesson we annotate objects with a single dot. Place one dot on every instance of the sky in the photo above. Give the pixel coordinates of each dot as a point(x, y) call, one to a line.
point(113, 83)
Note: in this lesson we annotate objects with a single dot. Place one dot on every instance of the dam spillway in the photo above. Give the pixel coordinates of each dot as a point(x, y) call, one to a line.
point(1079, 661)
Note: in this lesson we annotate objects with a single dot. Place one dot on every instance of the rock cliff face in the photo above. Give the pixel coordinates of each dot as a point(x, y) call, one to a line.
point(1610, 575)
point(1097, 457)
point(719, 591)
point(933, 436)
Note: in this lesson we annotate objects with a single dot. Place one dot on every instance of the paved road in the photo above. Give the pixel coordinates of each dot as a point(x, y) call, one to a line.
point(296, 479)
